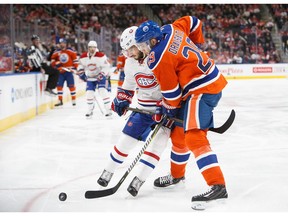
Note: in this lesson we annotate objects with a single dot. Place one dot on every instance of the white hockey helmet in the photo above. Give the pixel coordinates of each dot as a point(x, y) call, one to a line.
point(92, 44)
point(127, 38)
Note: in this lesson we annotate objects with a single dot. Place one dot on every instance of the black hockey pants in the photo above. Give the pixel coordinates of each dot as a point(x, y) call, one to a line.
point(53, 75)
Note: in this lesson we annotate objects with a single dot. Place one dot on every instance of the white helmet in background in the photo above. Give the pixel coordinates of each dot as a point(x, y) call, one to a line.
point(92, 44)
point(127, 38)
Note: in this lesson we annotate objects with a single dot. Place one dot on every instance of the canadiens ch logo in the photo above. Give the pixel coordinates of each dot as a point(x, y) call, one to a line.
point(92, 67)
point(145, 80)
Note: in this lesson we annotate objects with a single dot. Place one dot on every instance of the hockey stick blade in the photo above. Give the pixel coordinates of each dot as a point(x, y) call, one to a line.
point(227, 124)
point(91, 194)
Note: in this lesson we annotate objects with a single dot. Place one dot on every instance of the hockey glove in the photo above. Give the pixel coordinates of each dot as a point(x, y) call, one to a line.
point(168, 123)
point(100, 76)
point(157, 117)
point(83, 77)
point(58, 64)
point(122, 100)
point(170, 111)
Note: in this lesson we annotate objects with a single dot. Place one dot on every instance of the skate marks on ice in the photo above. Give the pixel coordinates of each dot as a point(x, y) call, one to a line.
point(61, 145)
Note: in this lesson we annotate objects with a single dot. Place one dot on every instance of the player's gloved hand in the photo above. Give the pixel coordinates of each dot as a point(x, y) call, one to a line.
point(122, 100)
point(168, 123)
point(58, 64)
point(83, 76)
point(170, 111)
point(160, 111)
point(100, 76)
point(157, 117)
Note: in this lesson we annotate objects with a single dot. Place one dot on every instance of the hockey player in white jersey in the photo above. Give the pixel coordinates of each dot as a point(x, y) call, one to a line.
point(138, 126)
point(94, 69)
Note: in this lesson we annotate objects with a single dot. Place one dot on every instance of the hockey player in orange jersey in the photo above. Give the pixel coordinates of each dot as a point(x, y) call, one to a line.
point(65, 60)
point(120, 68)
point(191, 86)
point(180, 153)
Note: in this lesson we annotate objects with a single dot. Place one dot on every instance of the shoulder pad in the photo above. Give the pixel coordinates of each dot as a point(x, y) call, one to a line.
point(84, 55)
point(70, 49)
point(99, 54)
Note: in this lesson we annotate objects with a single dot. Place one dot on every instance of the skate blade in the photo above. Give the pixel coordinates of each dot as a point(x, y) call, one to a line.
point(199, 206)
point(202, 205)
point(108, 116)
point(49, 94)
point(179, 185)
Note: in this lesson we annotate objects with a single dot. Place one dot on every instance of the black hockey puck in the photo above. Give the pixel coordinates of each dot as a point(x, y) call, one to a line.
point(62, 196)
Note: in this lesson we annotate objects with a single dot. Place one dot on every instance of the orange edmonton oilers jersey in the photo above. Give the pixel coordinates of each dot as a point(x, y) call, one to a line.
point(120, 62)
point(66, 58)
point(181, 68)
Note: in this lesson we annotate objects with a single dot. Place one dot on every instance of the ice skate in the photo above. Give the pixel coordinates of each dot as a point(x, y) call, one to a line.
point(108, 113)
point(105, 178)
point(135, 186)
point(50, 92)
point(60, 103)
point(73, 102)
point(216, 192)
point(166, 181)
point(89, 114)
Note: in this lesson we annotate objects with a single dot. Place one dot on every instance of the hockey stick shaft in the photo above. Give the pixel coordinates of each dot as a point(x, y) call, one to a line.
point(220, 129)
point(98, 104)
point(102, 193)
point(70, 70)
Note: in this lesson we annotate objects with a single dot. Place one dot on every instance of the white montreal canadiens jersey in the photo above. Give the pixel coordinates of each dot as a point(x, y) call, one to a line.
point(94, 66)
point(141, 77)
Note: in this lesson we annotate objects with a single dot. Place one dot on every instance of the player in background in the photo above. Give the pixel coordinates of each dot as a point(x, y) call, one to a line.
point(65, 60)
point(120, 68)
point(191, 86)
point(38, 62)
point(138, 126)
point(94, 68)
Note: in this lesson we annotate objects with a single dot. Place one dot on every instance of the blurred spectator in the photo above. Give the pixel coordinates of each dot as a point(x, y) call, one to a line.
point(228, 27)
point(21, 60)
point(237, 59)
point(285, 42)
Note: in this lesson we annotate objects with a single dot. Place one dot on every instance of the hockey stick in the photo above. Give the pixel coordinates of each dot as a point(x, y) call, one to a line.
point(219, 130)
point(90, 194)
point(98, 104)
point(68, 70)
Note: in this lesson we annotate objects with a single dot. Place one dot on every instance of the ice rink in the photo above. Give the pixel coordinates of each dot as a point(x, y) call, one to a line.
point(62, 151)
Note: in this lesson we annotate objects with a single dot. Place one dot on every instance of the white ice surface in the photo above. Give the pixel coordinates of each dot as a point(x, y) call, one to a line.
point(61, 151)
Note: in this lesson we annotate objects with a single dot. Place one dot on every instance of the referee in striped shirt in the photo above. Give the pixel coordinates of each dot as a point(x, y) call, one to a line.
point(38, 62)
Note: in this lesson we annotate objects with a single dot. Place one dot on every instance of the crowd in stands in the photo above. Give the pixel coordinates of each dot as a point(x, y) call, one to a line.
point(85, 17)
point(280, 13)
point(234, 33)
